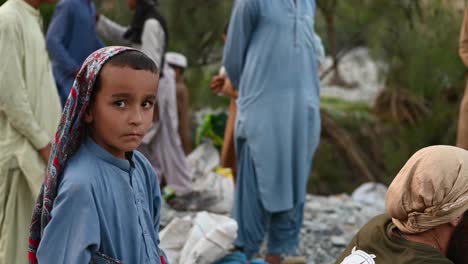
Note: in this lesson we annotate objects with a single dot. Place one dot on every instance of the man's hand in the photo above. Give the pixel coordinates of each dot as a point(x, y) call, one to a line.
point(45, 153)
point(228, 89)
point(217, 83)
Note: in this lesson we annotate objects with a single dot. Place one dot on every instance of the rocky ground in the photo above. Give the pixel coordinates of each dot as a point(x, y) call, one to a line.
point(329, 221)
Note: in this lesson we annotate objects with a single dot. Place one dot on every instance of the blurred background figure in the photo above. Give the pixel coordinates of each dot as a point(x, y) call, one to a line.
point(29, 115)
point(178, 62)
point(71, 38)
point(278, 120)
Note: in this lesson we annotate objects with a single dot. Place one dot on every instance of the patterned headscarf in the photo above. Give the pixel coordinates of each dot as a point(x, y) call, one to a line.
point(69, 136)
point(430, 190)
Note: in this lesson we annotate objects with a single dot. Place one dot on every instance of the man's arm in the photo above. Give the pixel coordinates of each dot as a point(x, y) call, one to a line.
point(60, 26)
point(14, 101)
point(319, 49)
point(242, 25)
point(463, 46)
point(111, 31)
point(229, 90)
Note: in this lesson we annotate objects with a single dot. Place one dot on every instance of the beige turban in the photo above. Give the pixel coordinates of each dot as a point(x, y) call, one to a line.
point(430, 190)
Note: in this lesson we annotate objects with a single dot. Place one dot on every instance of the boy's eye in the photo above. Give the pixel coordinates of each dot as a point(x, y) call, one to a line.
point(120, 103)
point(147, 104)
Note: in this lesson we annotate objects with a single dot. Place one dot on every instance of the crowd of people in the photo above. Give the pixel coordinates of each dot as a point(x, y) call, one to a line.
point(88, 139)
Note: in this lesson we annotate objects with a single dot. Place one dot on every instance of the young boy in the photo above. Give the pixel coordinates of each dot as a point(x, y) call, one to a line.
point(162, 145)
point(100, 202)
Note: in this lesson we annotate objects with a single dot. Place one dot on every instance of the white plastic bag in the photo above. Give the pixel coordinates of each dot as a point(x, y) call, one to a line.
point(221, 187)
point(174, 236)
point(210, 239)
point(203, 160)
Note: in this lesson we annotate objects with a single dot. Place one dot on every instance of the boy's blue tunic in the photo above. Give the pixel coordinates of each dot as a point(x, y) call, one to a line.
point(104, 204)
point(71, 38)
point(270, 57)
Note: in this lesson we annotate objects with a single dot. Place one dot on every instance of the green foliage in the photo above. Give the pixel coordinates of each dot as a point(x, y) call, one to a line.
point(401, 142)
point(212, 128)
point(421, 49)
point(195, 30)
point(419, 42)
point(340, 107)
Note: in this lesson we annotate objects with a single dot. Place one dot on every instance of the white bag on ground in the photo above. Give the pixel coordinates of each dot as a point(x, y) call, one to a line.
point(210, 239)
point(221, 187)
point(174, 236)
point(203, 160)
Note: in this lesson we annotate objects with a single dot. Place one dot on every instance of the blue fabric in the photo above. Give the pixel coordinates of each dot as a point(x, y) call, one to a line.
point(238, 257)
point(254, 221)
point(71, 38)
point(270, 56)
point(107, 205)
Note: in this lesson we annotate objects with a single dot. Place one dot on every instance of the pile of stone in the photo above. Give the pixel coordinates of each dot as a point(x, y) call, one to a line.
point(358, 69)
point(330, 222)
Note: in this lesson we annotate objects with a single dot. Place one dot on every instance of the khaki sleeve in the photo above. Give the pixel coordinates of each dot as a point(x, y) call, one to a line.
point(14, 101)
point(463, 44)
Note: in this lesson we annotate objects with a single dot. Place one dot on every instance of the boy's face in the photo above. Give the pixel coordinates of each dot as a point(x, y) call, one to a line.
point(123, 109)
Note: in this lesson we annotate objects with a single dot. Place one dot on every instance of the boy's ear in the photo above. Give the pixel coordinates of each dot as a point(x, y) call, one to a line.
point(88, 118)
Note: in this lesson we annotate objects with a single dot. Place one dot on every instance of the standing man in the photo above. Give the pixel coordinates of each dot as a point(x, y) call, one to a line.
point(178, 62)
point(270, 57)
point(71, 38)
point(29, 115)
point(462, 133)
point(427, 212)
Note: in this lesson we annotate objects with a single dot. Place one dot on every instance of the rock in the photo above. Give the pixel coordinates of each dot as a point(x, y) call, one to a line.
point(362, 71)
point(338, 241)
point(330, 222)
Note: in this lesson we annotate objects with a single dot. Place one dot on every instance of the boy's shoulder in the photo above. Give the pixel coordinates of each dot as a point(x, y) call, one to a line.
point(81, 168)
point(139, 157)
point(143, 164)
point(140, 160)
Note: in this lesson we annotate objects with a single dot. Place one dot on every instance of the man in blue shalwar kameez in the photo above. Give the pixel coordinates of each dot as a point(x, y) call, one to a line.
point(271, 57)
point(71, 38)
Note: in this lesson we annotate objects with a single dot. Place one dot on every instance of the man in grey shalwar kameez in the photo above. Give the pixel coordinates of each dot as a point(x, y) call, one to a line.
point(271, 58)
point(163, 146)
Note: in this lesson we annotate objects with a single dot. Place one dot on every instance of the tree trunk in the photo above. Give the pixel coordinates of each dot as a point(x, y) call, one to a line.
point(344, 141)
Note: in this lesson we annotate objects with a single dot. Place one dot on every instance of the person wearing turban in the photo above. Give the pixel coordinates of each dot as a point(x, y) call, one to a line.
point(427, 206)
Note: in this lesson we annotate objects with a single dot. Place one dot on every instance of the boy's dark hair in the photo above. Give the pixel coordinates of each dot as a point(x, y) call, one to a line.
point(133, 59)
point(458, 245)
